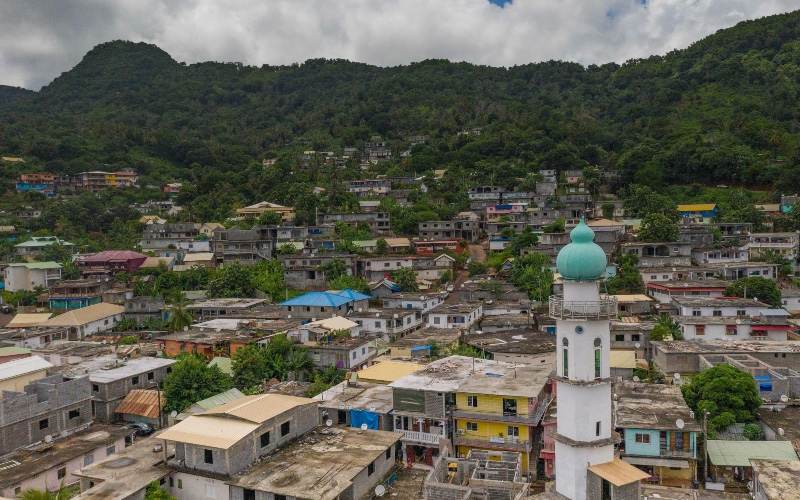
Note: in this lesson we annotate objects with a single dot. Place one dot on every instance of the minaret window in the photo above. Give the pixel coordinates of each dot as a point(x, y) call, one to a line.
point(565, 356)
point(598, 353)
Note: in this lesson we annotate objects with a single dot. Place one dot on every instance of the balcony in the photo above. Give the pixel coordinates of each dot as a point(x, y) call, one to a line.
point(420, 437)
point(494, 417)
point(583, 310)
point(508, 443)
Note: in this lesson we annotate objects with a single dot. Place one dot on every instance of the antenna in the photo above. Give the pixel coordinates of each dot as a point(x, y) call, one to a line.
point(380, 490)
point(679, 423)
point(364, 427)
point(328, 423)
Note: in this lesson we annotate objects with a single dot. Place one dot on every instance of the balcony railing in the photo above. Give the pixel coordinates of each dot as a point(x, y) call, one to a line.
point(597, 309)
point(497, 443)
point(420, 437)
point(676, 453)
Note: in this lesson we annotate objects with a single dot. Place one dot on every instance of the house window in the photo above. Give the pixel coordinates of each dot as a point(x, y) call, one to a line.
point(700, 330)
point(635, 337)
point(436, 320)
point(679, 440)
point(265, 439)
point(322, 309)
point(717, 312)
point(171, 482)
point(285, 427)
point(44, 424)
point(643, 438)
point(741, 312)
point(472, 426)
point(388, 453)
point(371, 469)
point(354, 354)
point(598, 352)
point(151, 375)
point(111, 450)
point(565, 357)
point(619, 338)
point(88, 460)
point(208, 456)
point(95, 388)
point(73, 414)
point(512, 431)
point(62, 473)
point(180, 484)
point(696, 312)
point(377, 324)
point(135, 380)
point(472, 401)
point(731, 330)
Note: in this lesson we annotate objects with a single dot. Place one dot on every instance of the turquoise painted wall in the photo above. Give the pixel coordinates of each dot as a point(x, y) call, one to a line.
point(634, 448)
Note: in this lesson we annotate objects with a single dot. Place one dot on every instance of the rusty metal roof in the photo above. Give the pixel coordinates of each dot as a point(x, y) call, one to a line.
point(141, 402)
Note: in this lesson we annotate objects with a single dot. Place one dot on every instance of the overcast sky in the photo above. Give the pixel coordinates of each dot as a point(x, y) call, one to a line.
point(41, 39)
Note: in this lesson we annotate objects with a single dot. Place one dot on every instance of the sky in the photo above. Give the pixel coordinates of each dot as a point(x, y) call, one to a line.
point(40, 39)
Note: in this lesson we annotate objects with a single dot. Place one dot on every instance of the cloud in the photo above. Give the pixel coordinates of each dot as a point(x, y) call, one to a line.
point(39, 39)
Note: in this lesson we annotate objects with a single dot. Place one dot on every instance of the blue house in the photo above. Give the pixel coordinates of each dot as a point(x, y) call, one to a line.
point(658, 430)
point(319, 305)
point(701, 213)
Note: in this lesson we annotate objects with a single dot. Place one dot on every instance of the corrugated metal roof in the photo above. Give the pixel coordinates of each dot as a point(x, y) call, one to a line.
point(23, 366)
point(353, 295)
point(619, 473)
point(38, 265)
point(739, 453)
point(24, 320)
point(220, 399)
point(623, 359)
point(199, 257)
point(388, 371)
point(211, 431)
point(337, 323)
point(258, 408)
point(141, 402)
point(13, 351)
point(697, 207)
point(317, 299)
point(114, 255)
point(84, 315)
point(224, 364)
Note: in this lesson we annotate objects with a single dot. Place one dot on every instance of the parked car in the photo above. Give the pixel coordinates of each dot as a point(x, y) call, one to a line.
point(140, 429)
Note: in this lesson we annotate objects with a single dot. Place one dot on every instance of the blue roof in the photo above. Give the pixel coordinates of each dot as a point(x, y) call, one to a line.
point(318, 299)
point(353, 295)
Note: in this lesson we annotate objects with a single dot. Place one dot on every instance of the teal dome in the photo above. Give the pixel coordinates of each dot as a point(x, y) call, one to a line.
point(583, 259)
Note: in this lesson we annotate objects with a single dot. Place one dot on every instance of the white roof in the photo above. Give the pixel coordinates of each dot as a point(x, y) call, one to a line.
point(131, 368)
point(338, 323)
point(445, 375)
point(23, 366)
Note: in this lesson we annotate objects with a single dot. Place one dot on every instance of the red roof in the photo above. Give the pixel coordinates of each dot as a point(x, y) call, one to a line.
point(114, 256)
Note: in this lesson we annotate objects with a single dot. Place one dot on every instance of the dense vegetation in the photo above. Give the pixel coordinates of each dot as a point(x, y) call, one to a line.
point(723, 111)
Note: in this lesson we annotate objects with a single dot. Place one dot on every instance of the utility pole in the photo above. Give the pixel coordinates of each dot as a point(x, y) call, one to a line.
point(705, 442)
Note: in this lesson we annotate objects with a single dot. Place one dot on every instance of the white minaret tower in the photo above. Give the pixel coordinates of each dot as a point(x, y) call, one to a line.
point(584, 435)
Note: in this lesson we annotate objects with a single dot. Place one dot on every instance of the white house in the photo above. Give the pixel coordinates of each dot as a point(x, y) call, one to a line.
point(717, 306)
point(770, 324)
point(388, 322)
point(422, 301)
point(87, 321)
point(29, 275)
point(790, 300)
point(464, 315)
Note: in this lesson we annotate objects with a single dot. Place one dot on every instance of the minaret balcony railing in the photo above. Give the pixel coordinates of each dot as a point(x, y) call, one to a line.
point(606, 308)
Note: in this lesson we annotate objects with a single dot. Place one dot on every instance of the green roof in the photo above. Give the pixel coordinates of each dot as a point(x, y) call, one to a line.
point(365, 243)
point(739, 453)
point(223, 364)
point(38, 265)
point(13, 351)
point(43, 243)
point(221, 398)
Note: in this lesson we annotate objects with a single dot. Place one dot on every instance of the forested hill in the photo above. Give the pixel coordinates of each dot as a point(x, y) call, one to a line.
point(724, 110)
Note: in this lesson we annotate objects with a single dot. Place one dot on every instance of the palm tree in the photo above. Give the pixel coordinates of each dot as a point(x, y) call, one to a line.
point(674, 328)
point(276, 366)
point(34, 494)
point(179, 316)
point(299, 363)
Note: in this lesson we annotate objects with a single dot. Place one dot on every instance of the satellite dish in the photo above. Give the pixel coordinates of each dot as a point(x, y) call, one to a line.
point(288, 316)
point(637, 345)
point(738, 322)
point(380, 490)
point(173, 414)
point(781, 432)
point(395, 316)
point(784, 398)
point(364, 427)
point(377, 315)
point(185, 328)
point(313, 319)
point(677, 376)
point(328, 423)
point(334, 315)
point(679, 423)
point(48, 439)
point(636, 378)
point(360, 309)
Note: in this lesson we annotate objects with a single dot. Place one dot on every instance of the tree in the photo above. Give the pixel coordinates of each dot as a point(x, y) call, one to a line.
point(349, 281)
point(643, 201)
point(755, 287)
point(268, 276)
point(250, 366)
point(69, 270)
point(63, 493)
point(525, 239)
point(334, 268)
point(55, 252)
point(673, 326)
point(405, 278)
point(446, 276)
point(287, 249)
point(608, 210)
point(179, 317)
point(753, 432)
point(192, 380)
point(475, 268)
point(729, 394)
point(657, 228)
point(660, 333)
point(532, 274)
point(628, 279)
point(154, 492)
point(556, 227)
point(235, 280)
point(299, 363)
point(269, 219)
point(381, 247)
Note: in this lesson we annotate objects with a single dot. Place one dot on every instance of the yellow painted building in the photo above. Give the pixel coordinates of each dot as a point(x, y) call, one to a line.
point(501, 412)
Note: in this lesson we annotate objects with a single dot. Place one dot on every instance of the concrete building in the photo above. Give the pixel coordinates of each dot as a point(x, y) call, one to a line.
point(210, 309)
point(74, 294)
point(775, 479)
point(29, 275)
point(660, 254)
point(717, 306)
point(422, 301)
point(107, 264)
point(16, 374)
point(524, 346)
point(659, 432)
point(346, 354)
point(388, 323)
point(36, 245)
point(113, 381)
point(255, 211)
point(379, 222)
point(46, 469)
point(144, 308)
point(448, 230)
point(585, 465)
point(664, 292)
point(464, 316)
point(45, 407)
point(684, 356)
point(773, 383)
point(86, 321)
point(769, 324)
point(785, 244)
point(790, 300)
point(355, 402)
point(320, 305)
point(246, 246)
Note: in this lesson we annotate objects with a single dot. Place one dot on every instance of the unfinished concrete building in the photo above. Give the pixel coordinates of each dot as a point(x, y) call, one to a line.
point(482, 475)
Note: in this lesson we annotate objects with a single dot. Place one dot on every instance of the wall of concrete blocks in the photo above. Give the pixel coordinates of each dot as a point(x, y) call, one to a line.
point(594, 489)
point(364, 483)
point(109, 395)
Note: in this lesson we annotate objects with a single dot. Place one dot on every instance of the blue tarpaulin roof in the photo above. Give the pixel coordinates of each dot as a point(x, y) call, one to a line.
point(419, 348)
point(353, 295)
point(318, 299)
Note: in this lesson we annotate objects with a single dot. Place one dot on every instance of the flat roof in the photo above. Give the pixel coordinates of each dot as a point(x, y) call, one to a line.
point(231, 303)
point(376, 398)
point(322, 465)
point(739, 453)
point(651, 406)
point(778, 478)
point(718, 302)
point(126, 472)
point(678, 284)
point(522, 381)
point(622, 359)
point(130, 368)
point(425, 335)
point(32, 461)
point(521, 341)
point(386, 372)
point(726, 346)
point(459, 308)
point(787, 418)
point(445, 375)
point(74, 348)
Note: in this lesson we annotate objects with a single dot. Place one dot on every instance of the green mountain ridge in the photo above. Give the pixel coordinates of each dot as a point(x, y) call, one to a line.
point(724, 110)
